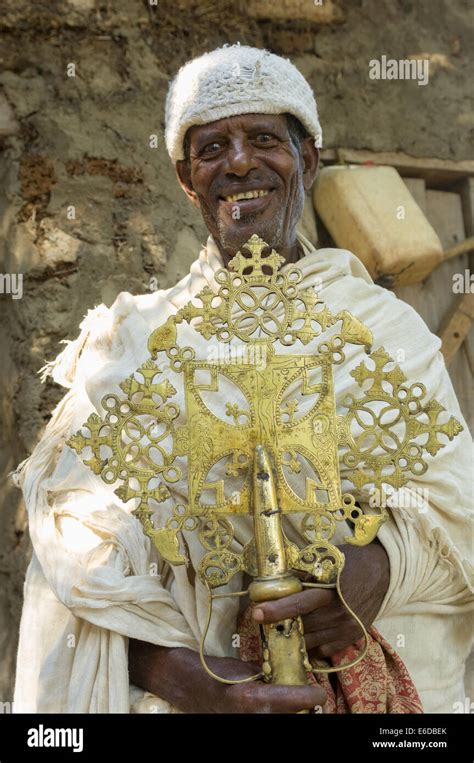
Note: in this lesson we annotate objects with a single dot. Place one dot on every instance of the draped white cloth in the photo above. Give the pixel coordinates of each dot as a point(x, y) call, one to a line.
point(95, 580)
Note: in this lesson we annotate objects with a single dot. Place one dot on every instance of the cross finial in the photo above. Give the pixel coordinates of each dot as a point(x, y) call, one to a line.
point(255, 245)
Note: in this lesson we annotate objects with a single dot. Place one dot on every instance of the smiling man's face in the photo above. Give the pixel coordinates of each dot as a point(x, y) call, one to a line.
point(248, 175)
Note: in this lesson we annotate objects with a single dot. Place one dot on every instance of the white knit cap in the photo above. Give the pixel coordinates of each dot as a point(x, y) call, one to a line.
point(236, 79)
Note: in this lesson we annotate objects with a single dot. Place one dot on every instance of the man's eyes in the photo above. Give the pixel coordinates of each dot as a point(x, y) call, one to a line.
point(211, 147)
point(261, 138)
point(265, 137)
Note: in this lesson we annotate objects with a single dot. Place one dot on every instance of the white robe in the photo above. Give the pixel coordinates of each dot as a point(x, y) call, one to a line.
point(95, 580)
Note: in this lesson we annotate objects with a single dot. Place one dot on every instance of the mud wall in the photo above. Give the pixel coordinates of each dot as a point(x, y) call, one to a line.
point(89, 205)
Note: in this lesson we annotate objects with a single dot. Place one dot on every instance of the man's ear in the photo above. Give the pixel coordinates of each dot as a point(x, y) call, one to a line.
point(183, 172)
point(310, 156)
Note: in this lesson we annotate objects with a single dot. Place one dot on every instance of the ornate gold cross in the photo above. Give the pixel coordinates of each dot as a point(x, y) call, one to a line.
point(282, 409)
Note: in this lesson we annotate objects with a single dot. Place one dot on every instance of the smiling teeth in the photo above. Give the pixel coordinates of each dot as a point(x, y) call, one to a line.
point(247, 195)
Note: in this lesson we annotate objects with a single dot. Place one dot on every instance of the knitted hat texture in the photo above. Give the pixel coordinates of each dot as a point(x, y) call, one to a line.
point(236, 79)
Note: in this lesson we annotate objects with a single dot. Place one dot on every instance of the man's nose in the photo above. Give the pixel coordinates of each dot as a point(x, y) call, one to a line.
point(240, 158)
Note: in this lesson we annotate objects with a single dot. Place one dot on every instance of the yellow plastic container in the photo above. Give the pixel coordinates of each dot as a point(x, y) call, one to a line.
point(370, 211)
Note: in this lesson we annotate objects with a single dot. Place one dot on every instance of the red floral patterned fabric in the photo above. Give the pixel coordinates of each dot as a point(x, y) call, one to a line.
point(380, 683)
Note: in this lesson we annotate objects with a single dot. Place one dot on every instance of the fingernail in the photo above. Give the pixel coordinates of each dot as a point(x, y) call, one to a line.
point(258, 615)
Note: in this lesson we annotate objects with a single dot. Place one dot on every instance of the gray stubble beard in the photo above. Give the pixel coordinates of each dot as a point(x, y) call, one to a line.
point(271, 232)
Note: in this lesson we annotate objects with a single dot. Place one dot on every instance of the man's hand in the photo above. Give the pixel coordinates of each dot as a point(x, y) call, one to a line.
point(177, 676)
point(328, 626)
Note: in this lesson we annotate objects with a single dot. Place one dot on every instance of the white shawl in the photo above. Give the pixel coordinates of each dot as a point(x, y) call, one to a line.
point(95, 580)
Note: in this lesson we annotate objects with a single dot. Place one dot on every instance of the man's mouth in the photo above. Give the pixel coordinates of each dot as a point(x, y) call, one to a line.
point(247, 195)
point(248, 202)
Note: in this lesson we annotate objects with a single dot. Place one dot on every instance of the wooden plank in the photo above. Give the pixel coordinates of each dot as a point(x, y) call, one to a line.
point(460, 372)
point(328, 155)
point(437, 173)
point(467, 350)
point(417, 188)
point(444, 212)
point(456, 326)
point(466, 191)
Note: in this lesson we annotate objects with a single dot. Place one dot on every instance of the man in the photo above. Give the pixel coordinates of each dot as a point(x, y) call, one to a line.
point(99, 632)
